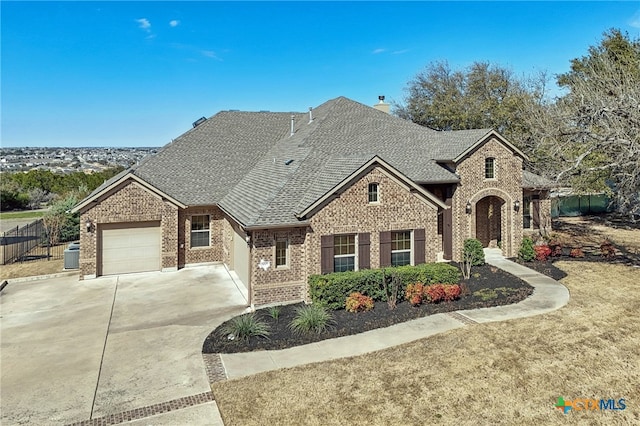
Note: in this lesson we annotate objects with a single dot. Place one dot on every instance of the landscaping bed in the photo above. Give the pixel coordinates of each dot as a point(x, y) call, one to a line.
point(488, 286)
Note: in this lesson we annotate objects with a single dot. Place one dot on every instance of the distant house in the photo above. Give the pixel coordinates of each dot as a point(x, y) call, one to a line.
point(280, 196)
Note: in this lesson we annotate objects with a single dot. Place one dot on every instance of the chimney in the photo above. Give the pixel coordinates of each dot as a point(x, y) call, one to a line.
point(382, 106)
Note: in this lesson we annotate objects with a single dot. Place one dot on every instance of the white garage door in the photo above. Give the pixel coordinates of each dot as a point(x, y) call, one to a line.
point(130, 248)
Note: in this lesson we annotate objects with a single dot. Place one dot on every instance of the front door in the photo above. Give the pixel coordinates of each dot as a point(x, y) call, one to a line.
point(489, 221)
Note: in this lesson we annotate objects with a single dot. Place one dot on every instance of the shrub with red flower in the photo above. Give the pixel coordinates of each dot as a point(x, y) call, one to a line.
point(542, 252)
point(435, 293)
point(576, 252)
point(414, 293)
point(358, 302)
point(556, 248)
point(452, 292)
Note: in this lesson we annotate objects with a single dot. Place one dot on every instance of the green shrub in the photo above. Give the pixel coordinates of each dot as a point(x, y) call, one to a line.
point(245, 326)
point(527, 252)
point(311, 319)
point(473, 248)
point(274, 312)
point(331, 290)
point(428, 273)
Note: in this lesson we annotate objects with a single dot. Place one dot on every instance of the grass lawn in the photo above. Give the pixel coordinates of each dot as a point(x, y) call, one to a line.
point(28, 269)
point(502, 373)
point(21, 215)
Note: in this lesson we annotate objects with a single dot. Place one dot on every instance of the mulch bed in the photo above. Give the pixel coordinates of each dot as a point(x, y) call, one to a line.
point(347, 323)
point(591, 254)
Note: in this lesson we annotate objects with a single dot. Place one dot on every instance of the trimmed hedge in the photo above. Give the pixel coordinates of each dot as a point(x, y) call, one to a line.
point(331, 290)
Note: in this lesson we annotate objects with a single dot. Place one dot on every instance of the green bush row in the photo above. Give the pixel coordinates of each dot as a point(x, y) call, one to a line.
point(331, 290)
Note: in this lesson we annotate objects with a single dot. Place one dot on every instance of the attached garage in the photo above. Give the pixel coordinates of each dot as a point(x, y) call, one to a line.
point(130, 247)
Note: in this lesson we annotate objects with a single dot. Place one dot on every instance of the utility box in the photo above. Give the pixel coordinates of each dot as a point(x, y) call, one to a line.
point(72, 256)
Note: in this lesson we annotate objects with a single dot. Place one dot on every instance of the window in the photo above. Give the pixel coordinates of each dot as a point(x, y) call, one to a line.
point(401, 248)
point(373, 193)
point(282, 253)
point(489, 168)
point(344, 253)
point(200, 231)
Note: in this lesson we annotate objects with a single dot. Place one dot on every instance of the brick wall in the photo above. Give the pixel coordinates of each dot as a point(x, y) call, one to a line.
point(284, 283)
point(473, 187)
point(129, 202)
point(398, 209)
point(213, 253)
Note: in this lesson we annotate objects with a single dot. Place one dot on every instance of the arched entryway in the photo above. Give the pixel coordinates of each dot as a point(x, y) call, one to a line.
point(489, 221)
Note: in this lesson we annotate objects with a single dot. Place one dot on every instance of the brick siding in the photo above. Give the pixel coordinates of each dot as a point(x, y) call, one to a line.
point(473, 187)
point(128, 202)
point(213, 253)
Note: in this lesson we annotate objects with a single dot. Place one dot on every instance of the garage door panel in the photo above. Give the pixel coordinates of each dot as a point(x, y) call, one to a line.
point(128, 248)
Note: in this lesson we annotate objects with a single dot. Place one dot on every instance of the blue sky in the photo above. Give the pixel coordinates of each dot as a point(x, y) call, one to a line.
point(139, 73)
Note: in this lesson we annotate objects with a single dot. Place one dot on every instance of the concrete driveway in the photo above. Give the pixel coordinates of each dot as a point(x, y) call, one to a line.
point(116, 347)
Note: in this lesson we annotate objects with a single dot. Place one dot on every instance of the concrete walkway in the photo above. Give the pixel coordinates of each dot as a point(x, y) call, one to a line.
point(548, 296)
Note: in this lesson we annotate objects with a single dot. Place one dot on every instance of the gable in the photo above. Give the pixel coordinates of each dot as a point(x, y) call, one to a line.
point(113, 187)
point(386, 172)
point(491, 136)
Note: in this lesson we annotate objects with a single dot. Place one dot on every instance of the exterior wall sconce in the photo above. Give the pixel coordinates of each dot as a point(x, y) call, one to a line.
point(248, 239)
point(468, 208)
point(516, 205)
point(88, 225)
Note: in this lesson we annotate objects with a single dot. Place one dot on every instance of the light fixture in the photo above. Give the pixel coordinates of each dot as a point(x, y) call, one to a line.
point(88, 225)
point(516, 205)
point(468, 208)
point(248, 239)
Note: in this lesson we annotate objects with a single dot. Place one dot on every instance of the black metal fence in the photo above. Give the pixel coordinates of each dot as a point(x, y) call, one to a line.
point(28, 243)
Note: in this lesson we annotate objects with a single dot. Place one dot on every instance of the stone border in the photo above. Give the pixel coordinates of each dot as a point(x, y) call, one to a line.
point(148, 411)
point(214, 367)
point(462, 318)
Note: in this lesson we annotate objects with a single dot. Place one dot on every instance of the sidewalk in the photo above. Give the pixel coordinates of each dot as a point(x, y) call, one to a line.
point(548, 296)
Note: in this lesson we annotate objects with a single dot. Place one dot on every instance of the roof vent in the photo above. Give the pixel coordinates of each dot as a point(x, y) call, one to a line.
point(286, 163)
point(293, 117)
point(310, 114)
point(199, 121)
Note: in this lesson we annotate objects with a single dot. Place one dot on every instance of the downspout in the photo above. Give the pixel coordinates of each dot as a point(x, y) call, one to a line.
point(249, 241)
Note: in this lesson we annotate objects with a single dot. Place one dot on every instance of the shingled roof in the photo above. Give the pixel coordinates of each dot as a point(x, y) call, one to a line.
point(251, 165)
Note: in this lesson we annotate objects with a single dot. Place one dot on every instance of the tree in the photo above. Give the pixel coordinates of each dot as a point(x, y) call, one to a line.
point(12, 197)
point(482, 96)
point(61, 225)
point(593, 131)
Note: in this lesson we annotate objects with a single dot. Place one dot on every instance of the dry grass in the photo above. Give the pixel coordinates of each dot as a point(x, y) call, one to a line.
point(584, 231)
point(28, 269)
point(504, 373)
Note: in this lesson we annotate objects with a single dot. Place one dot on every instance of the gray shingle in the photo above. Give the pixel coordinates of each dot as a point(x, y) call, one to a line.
point(237, 159)
point(534, 181)
point(200, 167)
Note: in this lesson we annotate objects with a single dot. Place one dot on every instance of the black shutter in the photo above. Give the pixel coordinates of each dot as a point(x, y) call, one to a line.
point(364, 251)
point(326, 254)
point(418, 249)
point(385, 249)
